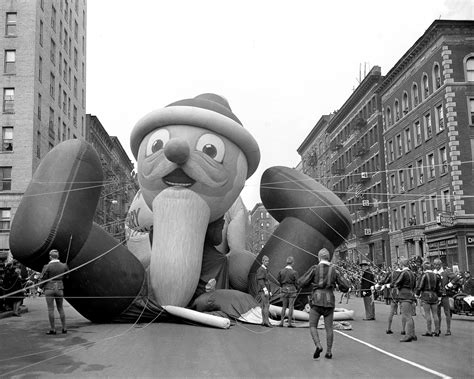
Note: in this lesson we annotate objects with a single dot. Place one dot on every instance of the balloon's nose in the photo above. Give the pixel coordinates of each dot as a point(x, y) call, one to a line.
point(177, 151)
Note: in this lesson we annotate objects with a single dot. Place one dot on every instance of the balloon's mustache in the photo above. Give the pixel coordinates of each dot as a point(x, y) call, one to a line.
point(199, 168)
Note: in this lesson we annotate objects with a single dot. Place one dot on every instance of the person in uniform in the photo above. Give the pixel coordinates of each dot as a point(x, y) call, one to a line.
point(53, 275)
point(263, 288)
point(448, 279)
point(406, 285)
point(366, 287)
point(428, 289)
point(324, 277)
point(288, 277)
point(387, 283)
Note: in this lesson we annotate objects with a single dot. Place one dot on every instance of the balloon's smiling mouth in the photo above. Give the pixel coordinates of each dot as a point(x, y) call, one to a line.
point(178, 178)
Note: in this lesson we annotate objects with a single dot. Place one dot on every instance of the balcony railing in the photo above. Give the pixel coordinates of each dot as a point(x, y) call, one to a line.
point(361, 149)
point(334, 146)
point(337, 170)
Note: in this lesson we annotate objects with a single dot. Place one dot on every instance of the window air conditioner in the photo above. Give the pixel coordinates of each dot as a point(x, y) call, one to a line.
point(365, 203)
point(364, 175)
point(368, 232)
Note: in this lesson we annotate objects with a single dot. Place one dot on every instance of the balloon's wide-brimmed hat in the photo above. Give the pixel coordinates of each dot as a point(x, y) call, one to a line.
point(208, 111)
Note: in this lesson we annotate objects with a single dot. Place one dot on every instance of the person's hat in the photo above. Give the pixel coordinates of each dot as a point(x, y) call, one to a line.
point(364, 262)
point(208, 111)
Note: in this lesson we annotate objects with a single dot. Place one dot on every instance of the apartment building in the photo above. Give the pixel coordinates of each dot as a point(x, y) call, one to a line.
point(120, 184)
point(428, 122)
point(43, 89)
point(262, 225)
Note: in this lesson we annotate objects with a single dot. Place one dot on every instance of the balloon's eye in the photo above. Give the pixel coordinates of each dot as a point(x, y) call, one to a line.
point(157, 141)
point(211, 145)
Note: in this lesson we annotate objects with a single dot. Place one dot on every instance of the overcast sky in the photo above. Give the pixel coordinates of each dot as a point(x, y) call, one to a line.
point(280, 64)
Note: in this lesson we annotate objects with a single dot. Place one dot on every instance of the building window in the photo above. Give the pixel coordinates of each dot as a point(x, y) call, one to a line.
point(426, 86)
point(76, 30)
point(7, 138)
point(51, 122)
point(405, 103)
point(75, 58)
point(59, 95)
point(39, 106)
point(394, 220)
point(414, 95)
point(393, 185)
point(436, 76)
point(53, 18)
point(445, 201)
point(74, 116)
point(470, 69)
point(407, 140)
point(404, 216)
point(424, 212)
point(431, 166)
point(65, 72)
point(411, 174)
point(64, 102)
point(8, 100)
point(41, 33)
point(401, 181)
point(471, 110)
point(443, 158)
point(40, 70)
point(391, 154)
point(38, 144)
point(5, 219)
point(10, 59)
point(418, 133)
point(75, 87)
point(397, 110)
point(420, 171)
point(388, 113)
point(53, 52)
point(5, 178)
point(428, 126)
point(52, 84)
point(10, 24)
point(399, 145)
point(439, 118)
point(433, 207)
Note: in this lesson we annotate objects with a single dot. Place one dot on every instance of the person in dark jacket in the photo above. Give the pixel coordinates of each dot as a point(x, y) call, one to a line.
point(405, 283)
point(428, 289)
point(53, 275)
point(324, 278)
point(13, 285)
point(263, 288)
point(288, 277)
point(367, 284)
point(387, 282)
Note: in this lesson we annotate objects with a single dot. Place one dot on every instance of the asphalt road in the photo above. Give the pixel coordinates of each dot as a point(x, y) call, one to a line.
point(183, 350)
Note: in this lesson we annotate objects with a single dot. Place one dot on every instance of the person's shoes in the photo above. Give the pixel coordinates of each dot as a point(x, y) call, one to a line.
point(328, 355)
point(291, 326)
point(16, 314)
point(414, 338)
point(448, 333)
point(280, 325)
point(317, 352)
point(407, 339)
point(427, 334)
point(435, 334)
point(51, 332)
point(369, 319)
point(389, 331)
point(403, 333)
point(64, 331)
point(268, 325)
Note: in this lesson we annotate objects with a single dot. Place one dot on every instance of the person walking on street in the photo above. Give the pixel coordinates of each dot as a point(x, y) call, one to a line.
point(324, 277)
point(263, 288)
point(13, 284)
point(446, 284)
point(53, 275)
point(366, 288)
point(428, 289)
point(406, 286)
point(288, 277)
point(388, 282)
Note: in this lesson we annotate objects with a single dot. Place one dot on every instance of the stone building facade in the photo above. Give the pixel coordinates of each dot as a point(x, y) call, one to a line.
point(42, 88)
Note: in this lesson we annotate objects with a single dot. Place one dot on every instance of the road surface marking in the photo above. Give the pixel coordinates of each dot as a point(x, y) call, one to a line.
point(396, 356)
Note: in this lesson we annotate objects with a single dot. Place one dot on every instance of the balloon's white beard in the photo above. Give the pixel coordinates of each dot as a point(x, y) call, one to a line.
point(180, 220)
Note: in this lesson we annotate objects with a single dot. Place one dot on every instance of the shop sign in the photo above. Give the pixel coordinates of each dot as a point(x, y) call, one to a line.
point(445, 219)
point(443, 244)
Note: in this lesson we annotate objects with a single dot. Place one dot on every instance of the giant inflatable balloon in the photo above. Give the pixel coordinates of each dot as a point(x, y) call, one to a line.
point(186, 228)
